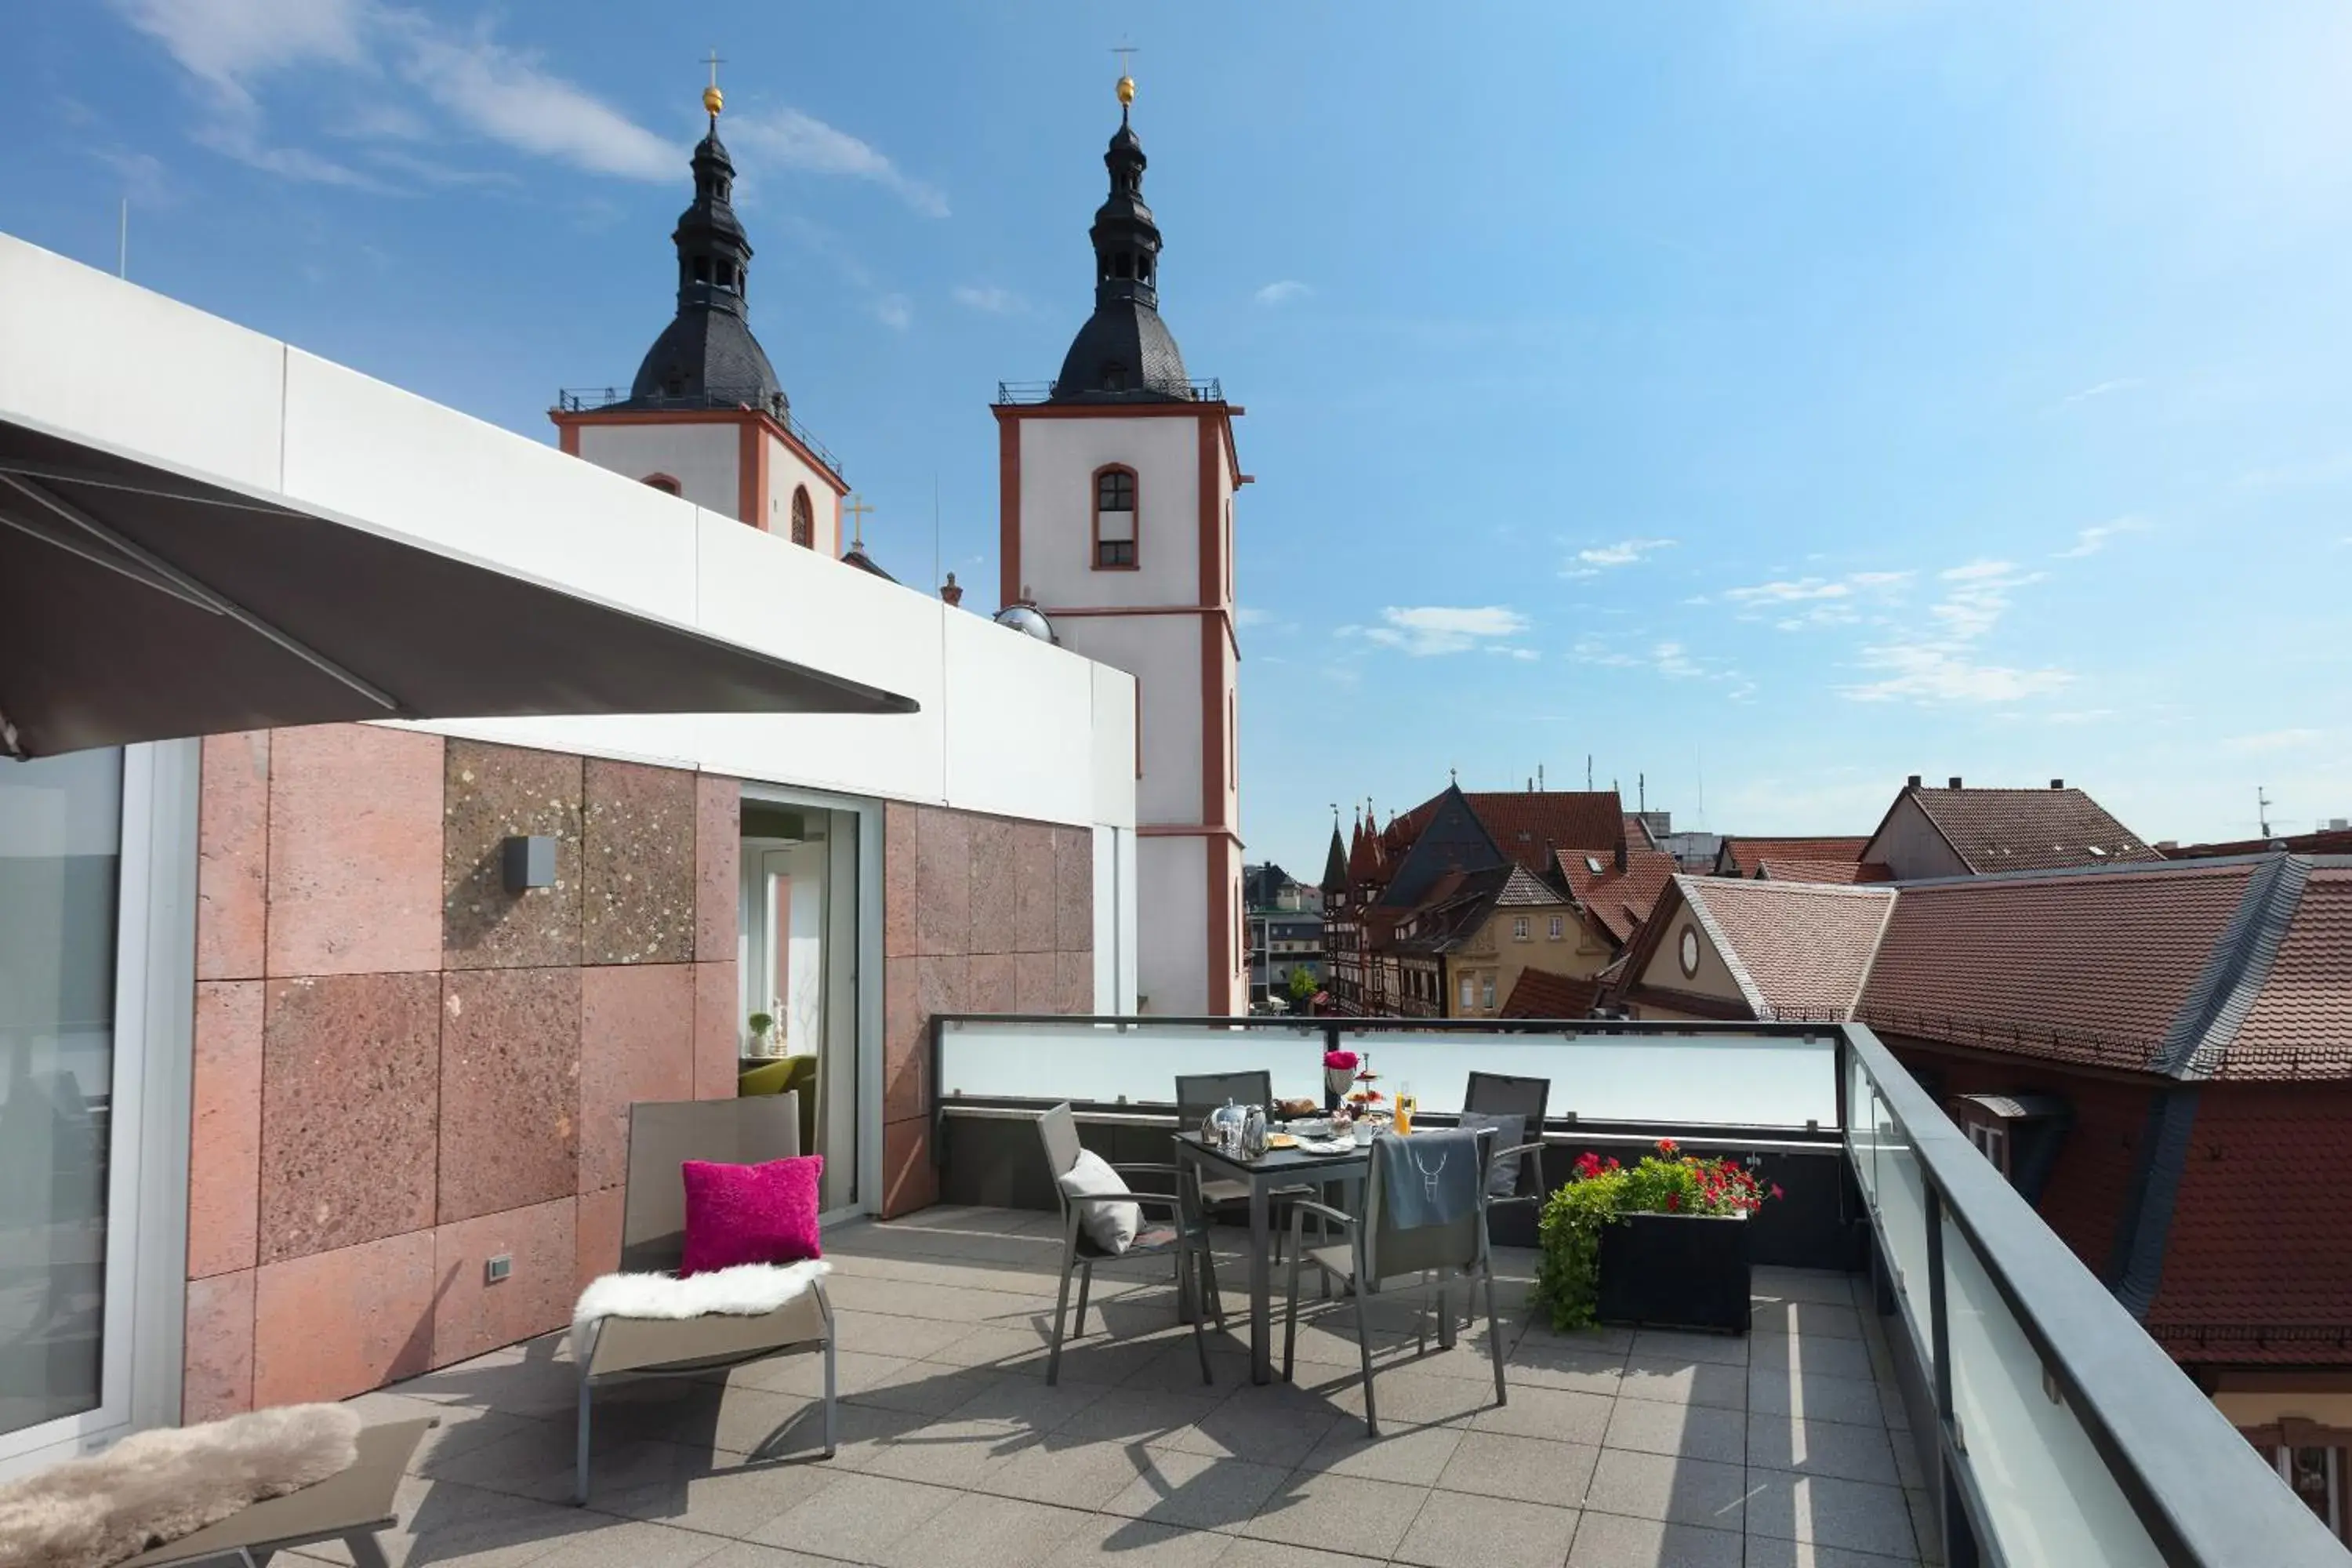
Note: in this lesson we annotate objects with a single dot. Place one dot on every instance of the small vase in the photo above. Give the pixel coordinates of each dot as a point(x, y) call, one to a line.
point(1335, 1084)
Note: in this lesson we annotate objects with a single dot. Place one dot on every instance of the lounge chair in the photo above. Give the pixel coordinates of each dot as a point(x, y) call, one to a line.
point(351, 1507)
point(662, 1138)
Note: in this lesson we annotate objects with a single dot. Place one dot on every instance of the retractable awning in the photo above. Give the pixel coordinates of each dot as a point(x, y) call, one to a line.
point(137, 603)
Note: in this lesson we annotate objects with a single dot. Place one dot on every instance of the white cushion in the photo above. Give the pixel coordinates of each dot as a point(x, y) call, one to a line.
point(1110, 1227)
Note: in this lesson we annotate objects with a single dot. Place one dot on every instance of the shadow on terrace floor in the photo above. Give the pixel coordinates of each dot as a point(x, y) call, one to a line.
point(1615, 1449)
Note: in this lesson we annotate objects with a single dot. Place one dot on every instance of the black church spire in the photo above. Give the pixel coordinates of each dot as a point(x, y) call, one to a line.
point(1124, 352)
point(707, 356)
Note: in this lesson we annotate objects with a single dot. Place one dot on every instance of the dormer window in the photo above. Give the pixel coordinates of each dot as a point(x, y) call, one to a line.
point(1114, 376)
point(1115, 519)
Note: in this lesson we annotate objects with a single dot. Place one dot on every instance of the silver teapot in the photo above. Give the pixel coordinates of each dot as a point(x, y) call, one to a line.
point(1253, 1133)
point(1222, 1128)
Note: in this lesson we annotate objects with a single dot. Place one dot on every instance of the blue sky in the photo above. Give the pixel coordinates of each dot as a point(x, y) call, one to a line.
point(1771, 398)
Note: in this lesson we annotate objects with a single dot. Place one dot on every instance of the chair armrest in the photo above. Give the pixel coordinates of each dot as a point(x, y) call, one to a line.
point(1502, 1154)
point(1492, 1203)
point(1301, 1208)
point(1149, 1169)
point(1168, 1201)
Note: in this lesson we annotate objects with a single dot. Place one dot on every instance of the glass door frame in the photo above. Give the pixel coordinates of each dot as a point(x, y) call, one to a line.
point(140, 1365)
point(865, 978)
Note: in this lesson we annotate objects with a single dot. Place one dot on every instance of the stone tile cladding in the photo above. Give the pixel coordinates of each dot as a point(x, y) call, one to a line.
point(402, 1069)
point(980, 914)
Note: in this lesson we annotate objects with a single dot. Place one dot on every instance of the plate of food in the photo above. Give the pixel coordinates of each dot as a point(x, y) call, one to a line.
point(1311, 1127)
point(1281, 1141)
point(1291, 1109)
point(1326, 1145)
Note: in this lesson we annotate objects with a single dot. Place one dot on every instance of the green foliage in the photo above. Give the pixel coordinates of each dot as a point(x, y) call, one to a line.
point(760, 1023)
point(1600, 1192)
point(1302, 985)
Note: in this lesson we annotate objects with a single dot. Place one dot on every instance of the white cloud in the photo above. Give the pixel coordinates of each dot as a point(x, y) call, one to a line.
point(2094, 538)
point(1282, 291)
point(2120, 383)
point(2270, 740)
point(1592, 650)
point(803, 142)
point(1813, 602)
point(1600, 558)
point(503, 94)
point(894, 312)
point(992, 300)
point(1250, 616)
point(470, 83)
point(1674, 662)
point(1942, 667)
point(1429, 629)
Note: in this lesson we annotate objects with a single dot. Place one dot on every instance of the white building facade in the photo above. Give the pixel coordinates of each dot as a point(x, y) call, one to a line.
point(1117, 493)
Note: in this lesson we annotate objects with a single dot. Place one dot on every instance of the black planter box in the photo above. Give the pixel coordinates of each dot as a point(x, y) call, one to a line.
point(1685, 1271)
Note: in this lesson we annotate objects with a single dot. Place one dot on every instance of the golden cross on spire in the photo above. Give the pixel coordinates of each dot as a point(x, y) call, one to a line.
point(857, 511)
point(712, 101)
point(1126, 53)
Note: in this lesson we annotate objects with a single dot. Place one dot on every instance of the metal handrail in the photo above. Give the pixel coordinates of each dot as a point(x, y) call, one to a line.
point(2204, 1495)
point(1015, 393)
point(594, 399)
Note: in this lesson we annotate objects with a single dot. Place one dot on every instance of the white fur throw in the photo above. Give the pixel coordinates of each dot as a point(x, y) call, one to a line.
point(153, 1487)
point(747, 1289)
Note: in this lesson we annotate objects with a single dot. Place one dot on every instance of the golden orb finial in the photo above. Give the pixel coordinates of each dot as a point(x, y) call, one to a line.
point(1125, 90)
point(713, 101)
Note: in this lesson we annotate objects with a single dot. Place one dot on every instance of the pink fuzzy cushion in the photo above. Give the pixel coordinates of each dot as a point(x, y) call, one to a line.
point(750, 1213)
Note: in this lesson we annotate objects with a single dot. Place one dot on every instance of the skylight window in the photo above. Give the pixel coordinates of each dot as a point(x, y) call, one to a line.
point(1592, 864)
point(2097, 850)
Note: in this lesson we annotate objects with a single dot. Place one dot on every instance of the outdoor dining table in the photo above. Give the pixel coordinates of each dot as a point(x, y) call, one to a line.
point(1275, 1169)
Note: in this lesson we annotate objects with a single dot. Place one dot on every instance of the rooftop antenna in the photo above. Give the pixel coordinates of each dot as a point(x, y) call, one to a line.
point(1642, 792)
point(2262, 810)
point(1587, 773)
point(1539, 778)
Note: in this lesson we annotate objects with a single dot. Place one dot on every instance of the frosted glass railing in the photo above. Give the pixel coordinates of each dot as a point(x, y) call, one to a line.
point(1686, 1080)
point(2045, 1491)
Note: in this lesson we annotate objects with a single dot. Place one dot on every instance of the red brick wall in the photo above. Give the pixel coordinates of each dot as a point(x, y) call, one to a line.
point(982, 914)
point(400, 1069)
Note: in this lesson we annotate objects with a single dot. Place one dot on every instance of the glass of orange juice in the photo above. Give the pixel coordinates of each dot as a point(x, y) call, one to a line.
point(1407, 1103)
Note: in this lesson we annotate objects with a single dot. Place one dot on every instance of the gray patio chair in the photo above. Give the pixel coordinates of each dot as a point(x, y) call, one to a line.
point(1184, 1235)
point(1379, 1258)
point(1197, 1094)
point(351, 1507)
point(662, 1137)
point(1529, 1099)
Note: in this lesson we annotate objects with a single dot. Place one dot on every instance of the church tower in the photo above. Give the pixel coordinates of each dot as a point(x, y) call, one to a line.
point(706, 417)
point(1116, 491)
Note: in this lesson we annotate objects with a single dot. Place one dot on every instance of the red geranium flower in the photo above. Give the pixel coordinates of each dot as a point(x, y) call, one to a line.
point(1668, 1147)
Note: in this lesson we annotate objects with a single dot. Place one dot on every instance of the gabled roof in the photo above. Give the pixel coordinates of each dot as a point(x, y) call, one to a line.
point(2023, 829)
point(2327, 841)
point(1797, 950)
point(1619, 901)
point(1540, 994)
point(1529, 826)
point(1840, 871)
point(1738, 855)
point(2226, 969)
point(1459, 903)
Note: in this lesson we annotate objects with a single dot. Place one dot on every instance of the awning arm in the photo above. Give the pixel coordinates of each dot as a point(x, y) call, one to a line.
point(189, 587)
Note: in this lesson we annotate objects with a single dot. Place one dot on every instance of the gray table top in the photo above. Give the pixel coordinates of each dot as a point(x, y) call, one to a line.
point(1273, 1163)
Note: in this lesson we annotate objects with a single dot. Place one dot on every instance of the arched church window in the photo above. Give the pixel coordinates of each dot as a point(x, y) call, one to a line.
point(663, 483)
point(1144, 268)
point(803, 519)
point(1124, 266)
point(702, 269)
point(726, 275)
point(1115, 514)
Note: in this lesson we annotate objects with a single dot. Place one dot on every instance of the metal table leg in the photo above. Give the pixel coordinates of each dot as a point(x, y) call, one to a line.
point(1261, 1284)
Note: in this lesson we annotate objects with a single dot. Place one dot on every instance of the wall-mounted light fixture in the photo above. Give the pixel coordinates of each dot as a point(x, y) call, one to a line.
point(529, 862)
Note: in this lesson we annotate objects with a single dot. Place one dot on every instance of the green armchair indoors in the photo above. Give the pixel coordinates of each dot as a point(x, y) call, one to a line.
point(786, 1074)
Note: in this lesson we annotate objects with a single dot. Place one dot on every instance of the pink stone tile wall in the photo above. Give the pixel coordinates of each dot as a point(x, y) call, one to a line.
point(982, 914)
point(402, 1071)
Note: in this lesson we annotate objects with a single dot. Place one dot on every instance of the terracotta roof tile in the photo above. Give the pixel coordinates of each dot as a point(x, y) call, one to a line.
point(2327, 841)
point(2028, 829)
point(1620, 901)
point(1840, 871)
point(2300, 1025)
point(1529, 825)
point(1804, 947)
point(2090, 968)
point(1540, 994)
point(2255, 1269)
point(1740, 854)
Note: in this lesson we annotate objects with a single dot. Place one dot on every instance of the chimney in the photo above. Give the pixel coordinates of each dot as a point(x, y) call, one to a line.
point(2057, 784)
point(1955, 780)
point(1911, 783)
point(950, 592)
